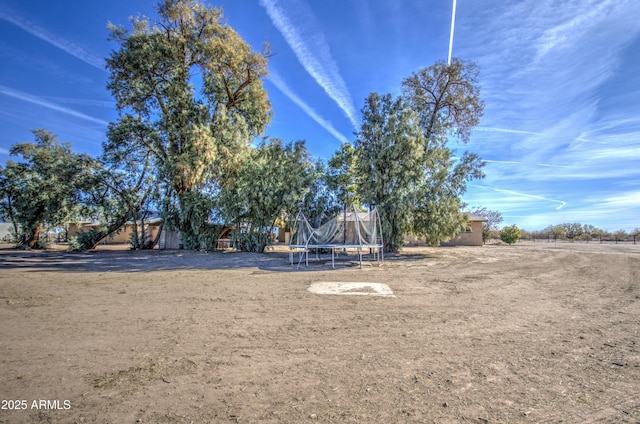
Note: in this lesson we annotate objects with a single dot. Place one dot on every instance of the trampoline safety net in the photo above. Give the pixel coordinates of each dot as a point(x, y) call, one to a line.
point(353, 229)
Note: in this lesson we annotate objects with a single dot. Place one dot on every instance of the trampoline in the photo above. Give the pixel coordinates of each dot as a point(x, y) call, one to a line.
point(353, 229)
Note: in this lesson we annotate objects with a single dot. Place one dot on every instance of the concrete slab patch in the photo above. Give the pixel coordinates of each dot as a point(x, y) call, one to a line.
point(351, 288)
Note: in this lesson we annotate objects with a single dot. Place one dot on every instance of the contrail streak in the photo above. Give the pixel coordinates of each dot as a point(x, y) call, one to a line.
point(530, 196)
point(275, 79)
point(453, 23)
point(67, 46)
point(49, 105)
point(308, 43)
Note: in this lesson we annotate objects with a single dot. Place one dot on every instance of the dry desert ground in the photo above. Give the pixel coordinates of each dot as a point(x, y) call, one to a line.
point(531, 333)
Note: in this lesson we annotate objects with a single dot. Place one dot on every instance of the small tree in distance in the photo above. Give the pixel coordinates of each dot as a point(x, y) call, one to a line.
point(510, 234)
point(556, 231)
point(572, 230)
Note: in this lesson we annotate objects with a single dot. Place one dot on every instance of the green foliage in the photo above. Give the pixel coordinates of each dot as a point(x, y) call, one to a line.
point(83, 241)
point(253, 241)
point(45, 189)
point(438, 219)
point(446, 98)
point(73, 244)
point(510, 234)
point(127, 181)
point(403, 163)
point(341, 178)
point(387, 164)
point(194, 137)
point(321, 200)
point(194, 212)
point(271, 182)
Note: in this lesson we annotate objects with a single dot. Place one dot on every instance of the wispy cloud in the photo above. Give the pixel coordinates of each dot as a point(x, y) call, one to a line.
point(309, 44)
point(70, 47)
point(543, 61)
point(625, 201)
point(519, 194)
point(512, 162)
point(30, 98)
point(579, 23)
point(276, 80)
point(607, 212)
point(109, 104)
point(505, 130)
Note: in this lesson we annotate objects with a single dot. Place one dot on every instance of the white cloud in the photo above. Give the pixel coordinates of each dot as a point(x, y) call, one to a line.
point(310, 47)
point(70, 47)
point(581, 21)
point(623, 201)
point(276, 80)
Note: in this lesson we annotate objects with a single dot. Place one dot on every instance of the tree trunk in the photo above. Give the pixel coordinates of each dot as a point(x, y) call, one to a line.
point(153, 243)
point(98, 236)
point(135, 238)
point(32, 239)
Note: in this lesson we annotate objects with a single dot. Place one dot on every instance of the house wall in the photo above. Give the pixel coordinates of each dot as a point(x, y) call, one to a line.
point(74, 229)
point(473, 238)
point(169, 240)
point(123, 236)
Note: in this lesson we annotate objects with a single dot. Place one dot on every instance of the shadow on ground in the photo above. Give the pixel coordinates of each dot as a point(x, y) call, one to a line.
point(164, 260)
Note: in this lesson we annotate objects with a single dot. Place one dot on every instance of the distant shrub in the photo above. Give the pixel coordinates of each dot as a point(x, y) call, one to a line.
point(73, 244)
point(510, 234)
point(83, 241)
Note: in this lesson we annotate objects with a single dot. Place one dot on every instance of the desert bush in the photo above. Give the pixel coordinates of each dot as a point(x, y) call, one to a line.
point(252, 241)
point(73, 245)
point(510, 234)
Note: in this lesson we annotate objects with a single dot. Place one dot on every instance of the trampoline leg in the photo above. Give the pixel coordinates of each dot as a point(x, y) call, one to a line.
point(333, 264)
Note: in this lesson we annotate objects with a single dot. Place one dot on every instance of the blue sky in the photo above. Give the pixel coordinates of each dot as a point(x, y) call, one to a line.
point(560, 81)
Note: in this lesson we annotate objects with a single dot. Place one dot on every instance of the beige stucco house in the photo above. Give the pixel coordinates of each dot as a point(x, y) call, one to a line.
point(470, 235)
point(123, 236)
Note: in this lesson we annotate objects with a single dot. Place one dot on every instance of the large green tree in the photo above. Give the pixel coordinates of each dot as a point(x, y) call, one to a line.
point(191, 78)
point(388, 163)
point(124, 185)
point(405, 164)
point(44, 190)
point(446, 97)
point(130, 176)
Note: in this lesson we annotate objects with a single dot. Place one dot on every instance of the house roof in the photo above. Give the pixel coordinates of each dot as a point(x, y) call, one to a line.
point(476, 217)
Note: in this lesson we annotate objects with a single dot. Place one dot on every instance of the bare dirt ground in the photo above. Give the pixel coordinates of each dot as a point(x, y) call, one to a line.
point(534, 332)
